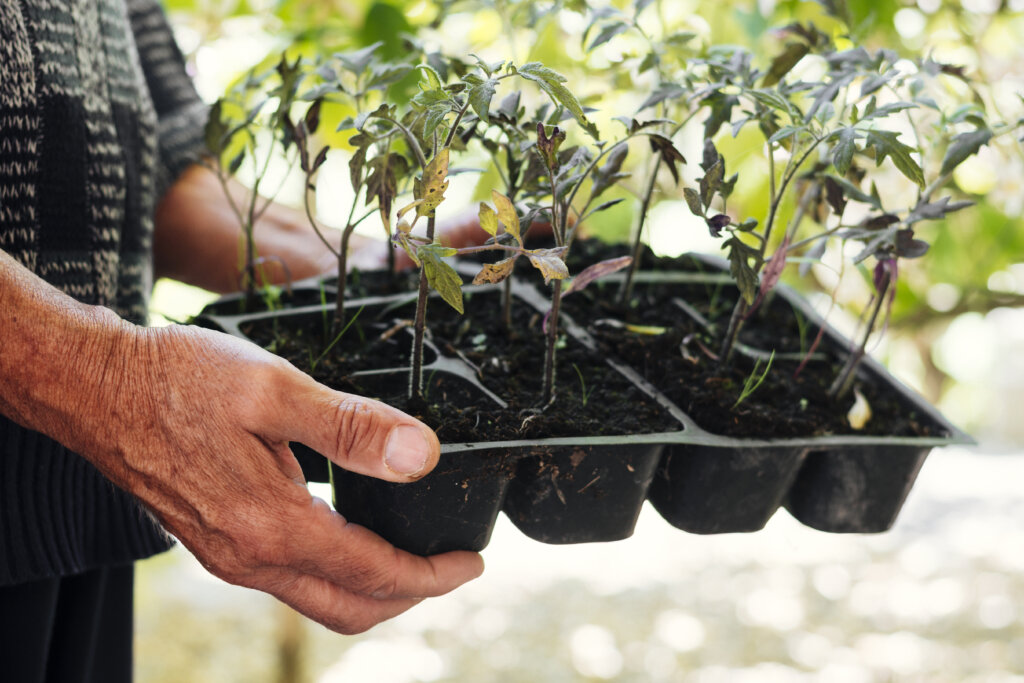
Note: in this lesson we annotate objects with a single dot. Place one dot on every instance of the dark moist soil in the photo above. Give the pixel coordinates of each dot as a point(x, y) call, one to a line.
point(509, 365)
point(361, 284)
point(785, 404)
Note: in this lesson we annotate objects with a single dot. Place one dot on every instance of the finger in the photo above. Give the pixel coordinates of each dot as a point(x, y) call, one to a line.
point(357, 433)
point(359, 560)
point(328, 604)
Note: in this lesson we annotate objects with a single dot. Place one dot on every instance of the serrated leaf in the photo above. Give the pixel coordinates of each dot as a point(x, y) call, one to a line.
point(739, 266)
point(549, 262)
point(433, 185)
point(596, 272)
point(834, 196)
point(784, 133)
point(711, 181)
point(607, 33)
point(493, 273)
point(480, 96)
point(488, 219)
point(887, 144)
point(216, 129)
point(721, 113)
point(963, 146)
point(507, 215)
point(886, 110)
point(441, 276)
point(664, 91)
point(551, 82)
point(670, 156)
point(842, 153)
point(357, 60)
point(433, 79)
point(693, 201)
point(856, 194)
point(784, 63)
point(355, 167)
point(935, 210)
point(609, 174)
point(383, 75)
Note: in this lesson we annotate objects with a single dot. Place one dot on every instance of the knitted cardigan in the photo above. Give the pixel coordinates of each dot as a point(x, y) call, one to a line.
point(97, 118)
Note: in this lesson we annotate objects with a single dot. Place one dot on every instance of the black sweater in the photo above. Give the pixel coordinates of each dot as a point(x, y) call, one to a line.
point(97, 117)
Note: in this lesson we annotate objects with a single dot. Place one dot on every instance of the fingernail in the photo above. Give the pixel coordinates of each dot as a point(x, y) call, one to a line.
point(407, 450)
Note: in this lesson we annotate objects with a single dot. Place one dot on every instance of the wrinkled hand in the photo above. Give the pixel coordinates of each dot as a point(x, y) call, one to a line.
point(200, 435)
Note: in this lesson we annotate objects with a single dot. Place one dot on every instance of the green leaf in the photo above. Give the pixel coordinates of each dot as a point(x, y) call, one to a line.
point(383, 75)
point(664, 91)
point(216, 129)
point(711, 181)
point(842, 153)
point(507, 215)
point(856, 194)
point(441, 276)
point(355, 167)
point(963, 146)
point(493, 273)
point(432, 80)
point(784, 63)
point(886, 144)
point(357, 60)
point(650, 61)
point(739, 265)
point(693, 201)
point(607, 33)
point(551, 82)
point(480, 98)
point(549, 262)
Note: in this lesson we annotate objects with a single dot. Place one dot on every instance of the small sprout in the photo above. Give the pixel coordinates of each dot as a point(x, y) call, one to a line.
point(860, 412)
point(754, 380)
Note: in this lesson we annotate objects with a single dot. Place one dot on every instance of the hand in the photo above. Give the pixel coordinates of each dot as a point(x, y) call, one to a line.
point(200, 428)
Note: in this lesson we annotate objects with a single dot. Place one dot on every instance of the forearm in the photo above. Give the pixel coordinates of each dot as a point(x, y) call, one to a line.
point(199, 238)
point(58, 358)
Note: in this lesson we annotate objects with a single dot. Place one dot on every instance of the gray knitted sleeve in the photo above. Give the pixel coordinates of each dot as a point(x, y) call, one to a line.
point(181, 114)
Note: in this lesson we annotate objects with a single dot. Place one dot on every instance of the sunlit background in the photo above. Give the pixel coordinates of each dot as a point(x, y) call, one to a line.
point(939, 598)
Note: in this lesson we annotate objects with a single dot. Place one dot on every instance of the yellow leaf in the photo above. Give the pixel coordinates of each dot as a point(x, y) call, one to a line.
point(550, 264)
point(495, 272)
point(507, 215)
point(488, 219)
point(431, 189)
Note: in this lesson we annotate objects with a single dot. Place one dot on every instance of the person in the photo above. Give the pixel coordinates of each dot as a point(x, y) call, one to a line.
point(114, 435)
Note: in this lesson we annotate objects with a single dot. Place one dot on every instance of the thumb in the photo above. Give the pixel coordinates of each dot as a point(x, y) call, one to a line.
point(359, 434)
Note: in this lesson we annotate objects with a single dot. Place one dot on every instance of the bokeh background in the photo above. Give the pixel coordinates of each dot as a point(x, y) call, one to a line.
point(939, 598)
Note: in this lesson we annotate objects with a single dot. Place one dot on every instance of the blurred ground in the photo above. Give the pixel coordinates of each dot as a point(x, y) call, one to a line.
point(939, 598)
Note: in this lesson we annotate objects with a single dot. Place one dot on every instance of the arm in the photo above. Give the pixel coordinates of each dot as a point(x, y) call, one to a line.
point(196, 424)
point(198, 239)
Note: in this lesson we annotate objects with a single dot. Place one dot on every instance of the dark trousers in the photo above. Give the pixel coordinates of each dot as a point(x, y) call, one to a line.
point(72, 629)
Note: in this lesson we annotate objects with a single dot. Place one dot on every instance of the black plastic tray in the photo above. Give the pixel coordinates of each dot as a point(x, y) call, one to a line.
point(582, 489)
